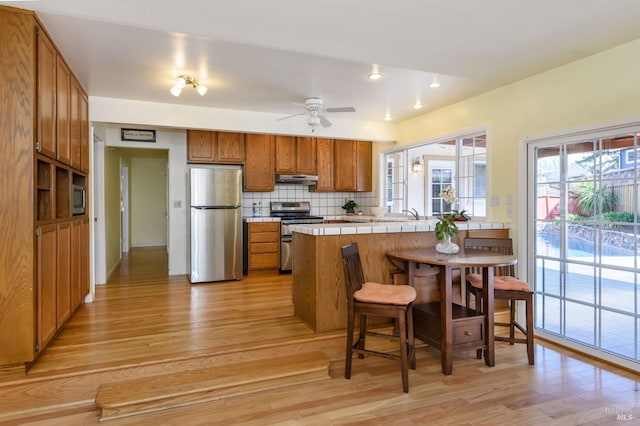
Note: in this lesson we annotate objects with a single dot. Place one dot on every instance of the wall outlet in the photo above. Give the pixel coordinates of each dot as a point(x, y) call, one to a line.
point(509, 199)
point(509, 212)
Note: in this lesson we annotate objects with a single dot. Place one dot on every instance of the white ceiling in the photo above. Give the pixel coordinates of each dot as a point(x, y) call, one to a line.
point(268, 55)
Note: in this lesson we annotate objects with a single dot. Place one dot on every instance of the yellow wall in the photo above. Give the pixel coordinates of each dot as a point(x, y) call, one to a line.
point(585, 93)
point(148, 201)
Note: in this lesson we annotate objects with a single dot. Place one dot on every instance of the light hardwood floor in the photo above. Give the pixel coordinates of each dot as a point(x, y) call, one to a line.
point(144, 322)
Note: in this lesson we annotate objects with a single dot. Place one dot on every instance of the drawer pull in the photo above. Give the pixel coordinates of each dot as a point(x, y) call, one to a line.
point(467, 333)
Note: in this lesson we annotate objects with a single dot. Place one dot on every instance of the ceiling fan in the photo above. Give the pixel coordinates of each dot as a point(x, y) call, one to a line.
point(314, 107)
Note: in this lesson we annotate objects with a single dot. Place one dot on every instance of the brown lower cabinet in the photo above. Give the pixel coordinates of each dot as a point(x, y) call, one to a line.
point(47, 263)
point(263, 245)
point(63, 285)
point(79, 261)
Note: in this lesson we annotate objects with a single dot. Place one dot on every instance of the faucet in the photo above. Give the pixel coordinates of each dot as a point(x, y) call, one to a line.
point(413, 213)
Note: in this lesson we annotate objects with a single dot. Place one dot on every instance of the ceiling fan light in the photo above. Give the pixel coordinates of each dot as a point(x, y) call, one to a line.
point(175, 91)
point(201, 89)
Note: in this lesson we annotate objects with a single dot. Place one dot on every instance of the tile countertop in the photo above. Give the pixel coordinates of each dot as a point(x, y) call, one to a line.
point(348, 218)
point(261, 219)
point(388, 227)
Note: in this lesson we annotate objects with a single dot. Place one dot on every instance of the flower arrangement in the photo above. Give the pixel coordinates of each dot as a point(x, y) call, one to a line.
point(446, 226)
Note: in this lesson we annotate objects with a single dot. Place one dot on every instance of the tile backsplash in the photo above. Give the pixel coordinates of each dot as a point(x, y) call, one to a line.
point(322, 203)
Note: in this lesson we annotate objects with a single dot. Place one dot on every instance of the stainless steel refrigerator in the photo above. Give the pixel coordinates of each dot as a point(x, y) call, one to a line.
point(215, 223)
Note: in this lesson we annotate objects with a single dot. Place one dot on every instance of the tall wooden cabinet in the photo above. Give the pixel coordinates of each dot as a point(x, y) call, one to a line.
point(44, 135)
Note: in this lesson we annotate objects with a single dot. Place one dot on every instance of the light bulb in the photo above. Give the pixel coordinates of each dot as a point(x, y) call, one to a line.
point(375, 76)
point(180, 83)
point(201, 89)
point(175, 91)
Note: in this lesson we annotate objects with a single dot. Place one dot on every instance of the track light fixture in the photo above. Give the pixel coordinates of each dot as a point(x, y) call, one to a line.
point(185, 80)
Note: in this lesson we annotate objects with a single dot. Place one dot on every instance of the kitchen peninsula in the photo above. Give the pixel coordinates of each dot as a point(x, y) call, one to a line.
point(318, 282)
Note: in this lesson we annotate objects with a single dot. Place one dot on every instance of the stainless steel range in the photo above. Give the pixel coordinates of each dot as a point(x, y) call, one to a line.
point(290, 212)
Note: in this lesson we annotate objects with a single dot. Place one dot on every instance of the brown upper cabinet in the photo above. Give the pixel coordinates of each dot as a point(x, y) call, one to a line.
point(353, 166)
point(210, 147)
point(295, 155)
point(46, 68)
point(62, 130)
point(306, 155)
point(259, 163)
point(79, 119)
point(324, 165)
point(84, 132)
point(63, 110)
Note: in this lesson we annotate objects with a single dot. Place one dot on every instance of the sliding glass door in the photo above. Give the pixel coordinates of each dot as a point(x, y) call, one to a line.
point(583, 237)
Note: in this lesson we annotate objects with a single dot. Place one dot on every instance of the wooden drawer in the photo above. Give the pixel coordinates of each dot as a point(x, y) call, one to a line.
point(468, 332)
point(264, 261)
point(264, 237)
point(264, 227)
point(264, 247)
point(468, 328)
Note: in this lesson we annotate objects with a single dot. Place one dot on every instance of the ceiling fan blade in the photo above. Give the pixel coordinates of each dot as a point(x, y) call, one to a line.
point(341, 109)
point(291, 116)
point(324, 121)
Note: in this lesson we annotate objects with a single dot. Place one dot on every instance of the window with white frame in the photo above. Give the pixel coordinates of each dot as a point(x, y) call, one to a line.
point(459, 162)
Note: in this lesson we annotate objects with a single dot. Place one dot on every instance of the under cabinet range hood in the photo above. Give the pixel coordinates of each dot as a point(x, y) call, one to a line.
point(297, 179)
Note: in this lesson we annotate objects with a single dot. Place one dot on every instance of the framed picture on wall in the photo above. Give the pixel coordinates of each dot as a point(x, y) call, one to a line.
point(138, 135)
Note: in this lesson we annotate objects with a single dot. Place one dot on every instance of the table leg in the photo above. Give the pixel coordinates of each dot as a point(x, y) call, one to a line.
point(489, 310)
point(446, 319)
point(411, 270)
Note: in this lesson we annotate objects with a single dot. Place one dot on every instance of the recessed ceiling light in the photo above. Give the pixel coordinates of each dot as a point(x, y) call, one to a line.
point(375, 73)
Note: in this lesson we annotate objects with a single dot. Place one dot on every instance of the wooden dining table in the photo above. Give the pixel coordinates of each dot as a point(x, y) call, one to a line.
point(486, 261)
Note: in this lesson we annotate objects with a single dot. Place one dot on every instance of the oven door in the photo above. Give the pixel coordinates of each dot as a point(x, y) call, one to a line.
point(286, 253)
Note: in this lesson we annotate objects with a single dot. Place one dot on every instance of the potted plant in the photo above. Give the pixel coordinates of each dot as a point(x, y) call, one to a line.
point(350, 206)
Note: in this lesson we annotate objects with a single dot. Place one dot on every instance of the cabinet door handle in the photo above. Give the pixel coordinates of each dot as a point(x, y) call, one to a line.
point(467, 333)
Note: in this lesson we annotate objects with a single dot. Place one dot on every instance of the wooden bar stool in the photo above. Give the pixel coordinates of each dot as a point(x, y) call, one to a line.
point(506, 287)
point(385, 300)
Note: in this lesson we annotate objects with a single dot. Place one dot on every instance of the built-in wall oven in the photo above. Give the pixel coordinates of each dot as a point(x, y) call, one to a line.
point(290, 212)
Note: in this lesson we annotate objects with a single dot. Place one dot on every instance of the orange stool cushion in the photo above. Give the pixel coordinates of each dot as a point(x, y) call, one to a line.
point(500, 282)
point(385, 293)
